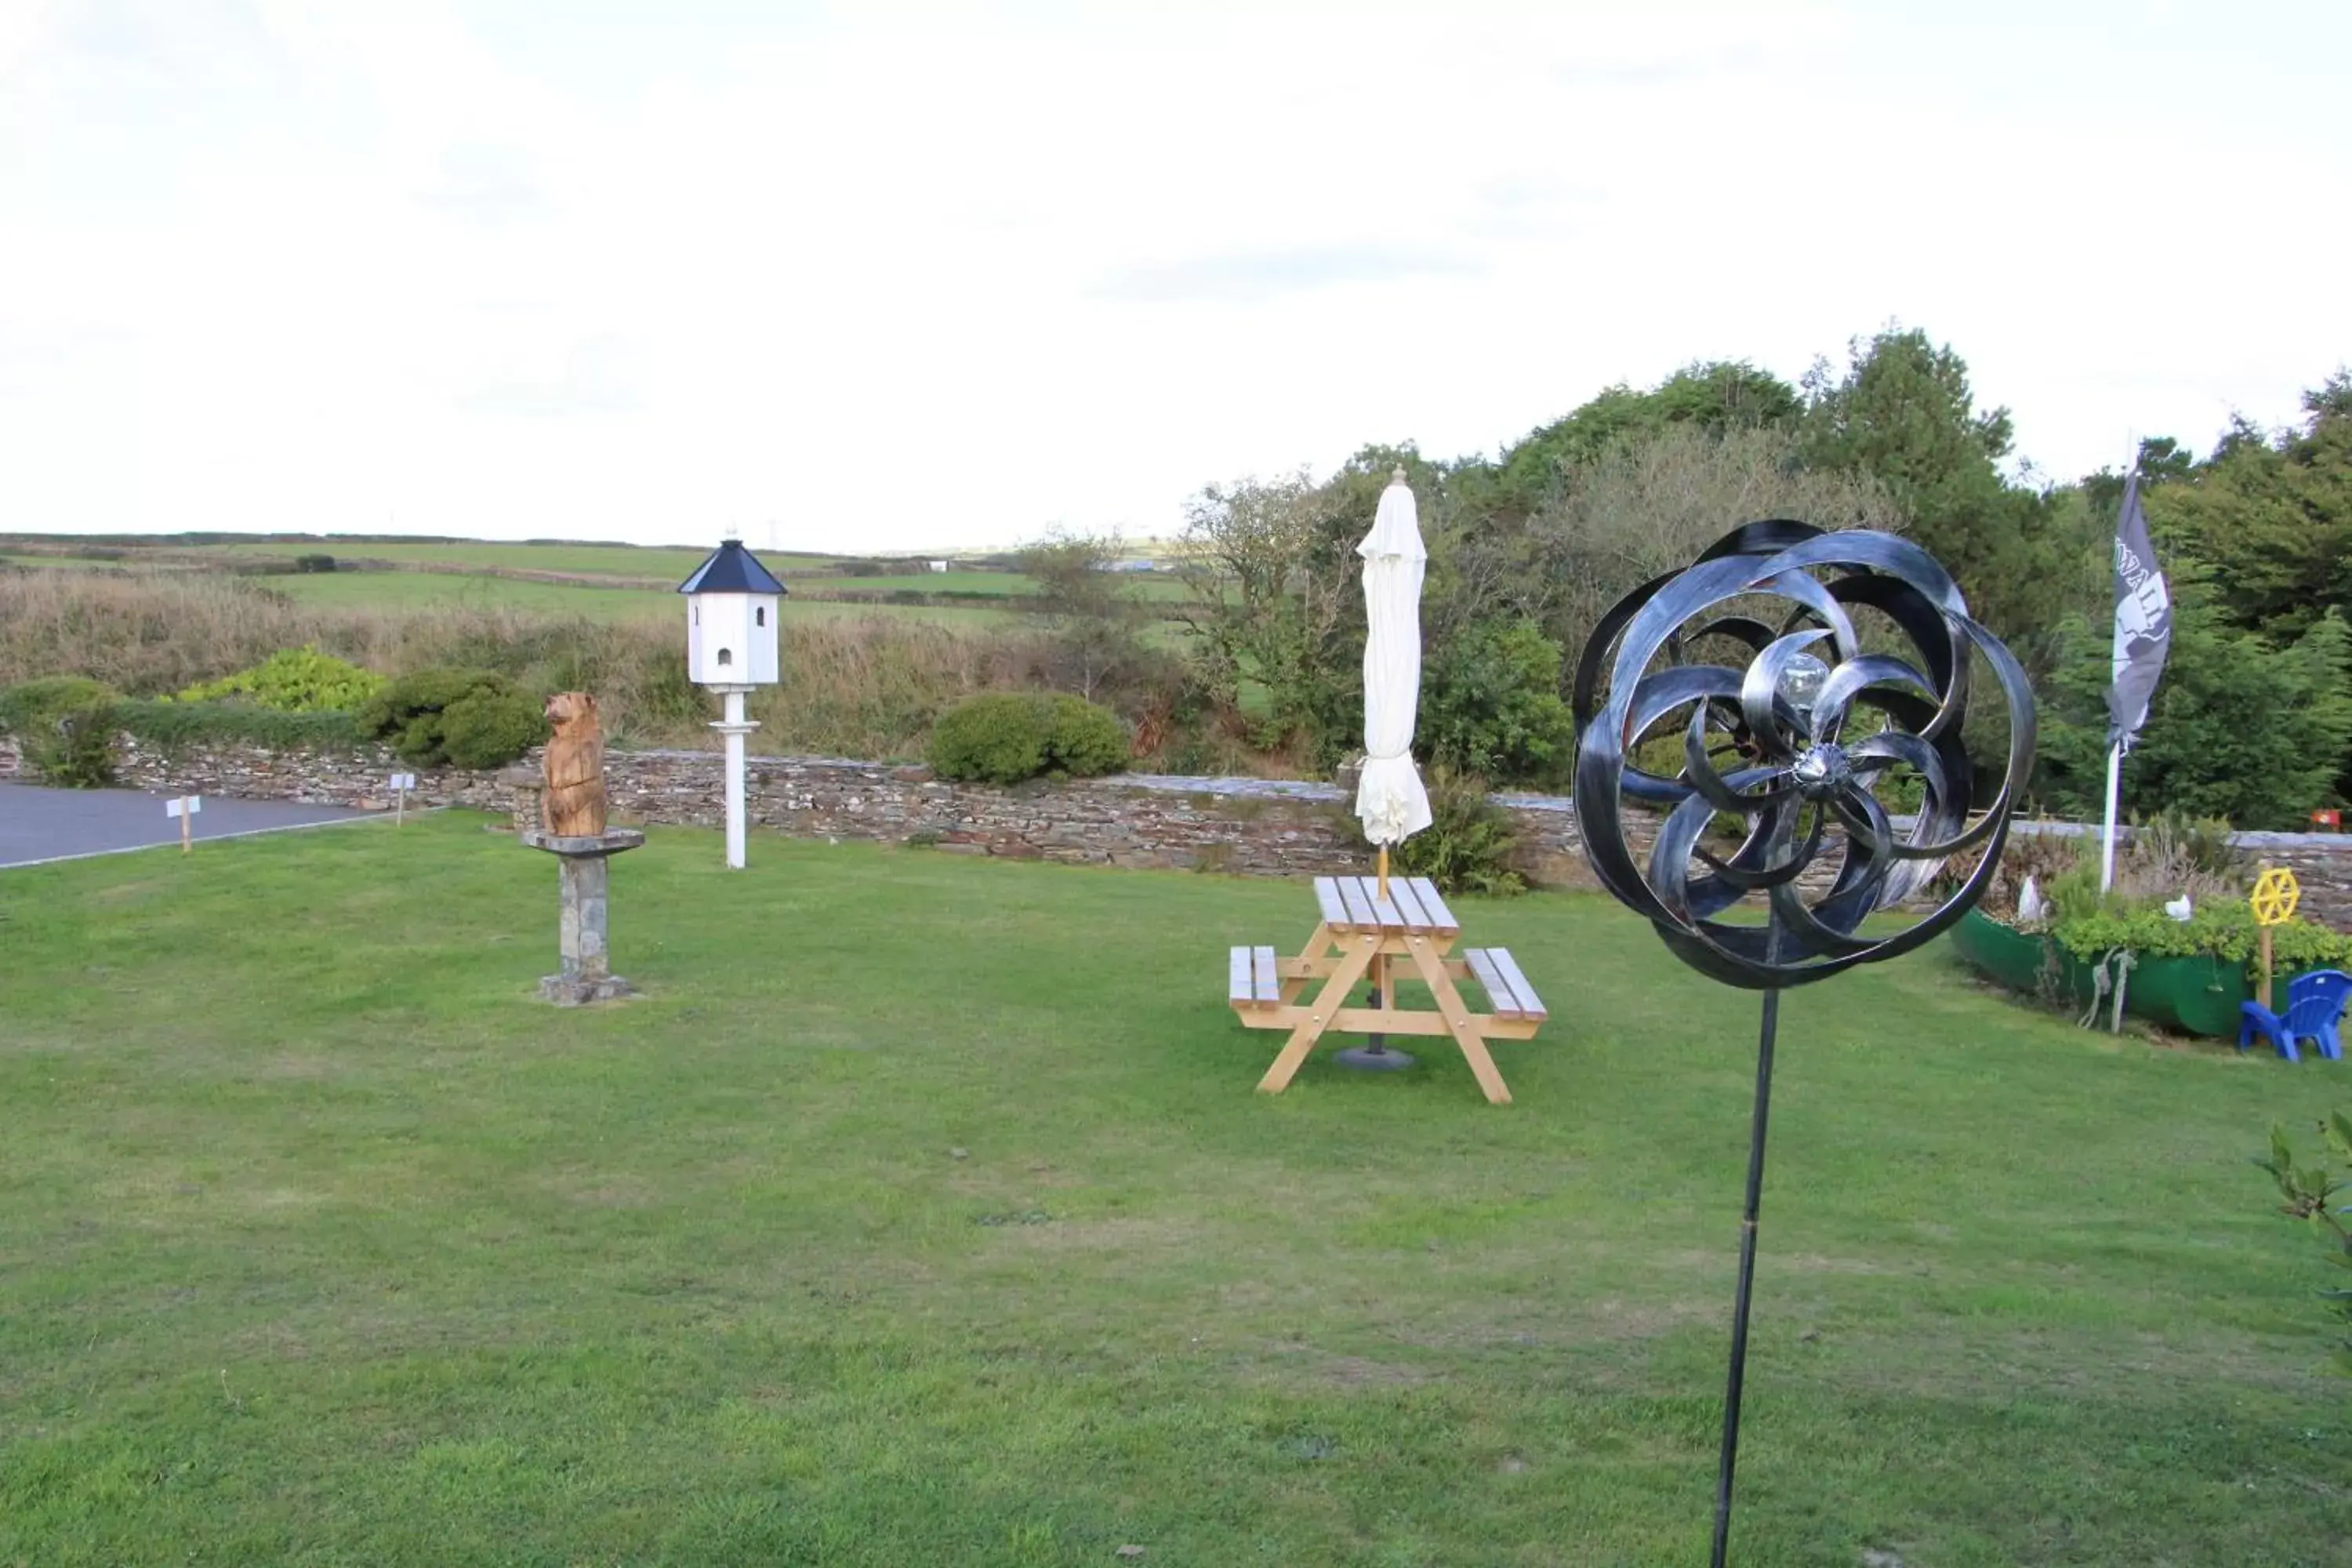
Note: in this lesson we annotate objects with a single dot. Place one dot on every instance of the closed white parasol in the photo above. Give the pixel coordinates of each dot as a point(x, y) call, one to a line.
point(1390, 799)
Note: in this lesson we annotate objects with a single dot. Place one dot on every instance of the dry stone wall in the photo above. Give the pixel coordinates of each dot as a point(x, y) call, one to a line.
point(1247, 826)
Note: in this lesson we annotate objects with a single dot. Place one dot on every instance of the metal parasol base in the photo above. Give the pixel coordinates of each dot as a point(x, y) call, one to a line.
point(1376, 1057)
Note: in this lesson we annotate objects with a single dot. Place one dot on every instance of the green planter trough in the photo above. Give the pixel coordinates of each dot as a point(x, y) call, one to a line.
point(2198, 995)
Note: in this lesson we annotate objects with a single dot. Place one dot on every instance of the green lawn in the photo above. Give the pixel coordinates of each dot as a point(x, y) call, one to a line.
point(923, 1213)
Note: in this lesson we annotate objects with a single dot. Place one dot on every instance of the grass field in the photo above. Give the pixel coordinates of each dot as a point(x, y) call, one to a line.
point(1011, 584)
point(393, 590)
point(1000, 584)
point(922, 1212)
point(638, 565)
point(595, 560)
point(45, 561)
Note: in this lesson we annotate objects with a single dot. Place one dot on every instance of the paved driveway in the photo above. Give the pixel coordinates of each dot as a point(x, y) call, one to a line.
point(39, 824)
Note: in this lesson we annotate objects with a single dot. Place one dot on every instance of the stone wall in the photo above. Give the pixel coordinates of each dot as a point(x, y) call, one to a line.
point(1247, 826)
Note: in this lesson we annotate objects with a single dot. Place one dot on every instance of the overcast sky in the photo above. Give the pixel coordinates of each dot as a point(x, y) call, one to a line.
point(647, 270)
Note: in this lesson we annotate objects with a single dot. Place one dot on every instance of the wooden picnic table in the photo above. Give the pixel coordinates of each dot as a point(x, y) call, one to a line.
point(1359, 936)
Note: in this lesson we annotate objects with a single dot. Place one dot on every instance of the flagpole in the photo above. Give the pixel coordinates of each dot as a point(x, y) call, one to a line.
point(2115, 795)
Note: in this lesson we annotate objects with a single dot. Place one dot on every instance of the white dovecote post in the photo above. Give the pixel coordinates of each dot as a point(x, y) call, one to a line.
point(732, 605)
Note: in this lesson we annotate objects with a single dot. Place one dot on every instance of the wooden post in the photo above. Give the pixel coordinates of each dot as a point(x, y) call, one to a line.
point(186, 824)
point(2274, 899)
point(1384, 871)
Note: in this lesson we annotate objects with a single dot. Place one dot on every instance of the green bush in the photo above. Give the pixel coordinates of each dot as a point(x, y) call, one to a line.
point(35, 706)
point(171, 725)
point(1490, 704)
point(996, 739)
point(435, 716)
point(81, 754)
point(1005, 737)
point(295, 680)
point(1471, 845)
point(489, 730)
point(65, 725)
point(1084, 740)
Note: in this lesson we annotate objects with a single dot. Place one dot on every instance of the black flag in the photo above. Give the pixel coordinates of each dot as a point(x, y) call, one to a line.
point(2143, 622)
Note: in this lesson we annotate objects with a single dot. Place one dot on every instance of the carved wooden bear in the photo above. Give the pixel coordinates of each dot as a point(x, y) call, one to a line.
point(574, 804)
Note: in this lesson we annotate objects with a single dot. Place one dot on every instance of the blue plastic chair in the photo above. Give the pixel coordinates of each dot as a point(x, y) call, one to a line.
point(2314, 1003)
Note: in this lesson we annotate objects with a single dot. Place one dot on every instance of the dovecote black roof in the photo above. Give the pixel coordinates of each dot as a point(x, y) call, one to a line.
point(731, 569)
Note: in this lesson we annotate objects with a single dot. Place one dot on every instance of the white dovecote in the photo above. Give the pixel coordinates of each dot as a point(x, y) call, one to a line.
point(732, 605)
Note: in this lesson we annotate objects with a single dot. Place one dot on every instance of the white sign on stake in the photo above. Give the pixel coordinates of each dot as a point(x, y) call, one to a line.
point(402, 783)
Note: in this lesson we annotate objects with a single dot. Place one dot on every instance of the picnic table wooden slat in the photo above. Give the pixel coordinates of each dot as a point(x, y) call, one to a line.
point(1499, 994)
point(1266, 983)
point(1361, 913)
point(1401, 893)
point(1335, 907)
point(1530, 1006)
point(1239, 980)
point(1383, 910)
point(1441, 917)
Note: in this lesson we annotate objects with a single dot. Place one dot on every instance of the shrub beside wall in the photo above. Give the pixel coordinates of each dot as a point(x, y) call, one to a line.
point(1006, 736)
point(68, 728)
point(454, 718)
point(296, 680)
point(65, 724)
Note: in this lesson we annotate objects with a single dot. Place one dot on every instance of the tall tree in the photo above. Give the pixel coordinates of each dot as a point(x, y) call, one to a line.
point(1085, 603)
point(2239, 728)
point(1903, 411)
point(1714, 396)
point(2269, 520)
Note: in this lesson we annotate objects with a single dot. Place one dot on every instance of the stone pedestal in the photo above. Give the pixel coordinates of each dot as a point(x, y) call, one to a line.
point(587, 974)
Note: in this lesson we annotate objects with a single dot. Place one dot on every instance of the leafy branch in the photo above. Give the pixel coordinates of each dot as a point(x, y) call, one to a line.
point(2311, 1193)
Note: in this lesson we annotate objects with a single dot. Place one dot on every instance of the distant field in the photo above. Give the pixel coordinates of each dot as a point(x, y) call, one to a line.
point(1010, 585)
point(599, 560)
point(409, 589)
point(638, 565)
point(1005, 585)
point(413, 589)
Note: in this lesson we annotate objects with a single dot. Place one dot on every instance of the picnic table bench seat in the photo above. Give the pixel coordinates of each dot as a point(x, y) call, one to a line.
point(1508, 991)
point(1252, 980)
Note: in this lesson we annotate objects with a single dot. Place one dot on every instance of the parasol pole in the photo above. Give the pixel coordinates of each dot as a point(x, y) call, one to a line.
point(1381, 962)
